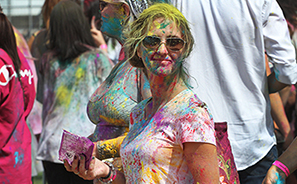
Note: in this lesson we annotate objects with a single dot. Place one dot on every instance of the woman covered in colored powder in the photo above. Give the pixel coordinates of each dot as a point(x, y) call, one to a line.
point(171, 137)
point(72, 70)
point(17, 94)
point(126, 86)
point(110, 105)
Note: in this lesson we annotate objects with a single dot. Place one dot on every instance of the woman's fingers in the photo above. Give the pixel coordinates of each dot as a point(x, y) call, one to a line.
point(93, 26)
point(89, 174)
point(96, 168)
point(82, 169)
point(67, 166)
point(75, 163)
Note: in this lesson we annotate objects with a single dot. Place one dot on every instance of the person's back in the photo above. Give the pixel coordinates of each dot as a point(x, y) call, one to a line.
point(16, 100)
point(229, 68)
point(15, 146)
point(68, 87)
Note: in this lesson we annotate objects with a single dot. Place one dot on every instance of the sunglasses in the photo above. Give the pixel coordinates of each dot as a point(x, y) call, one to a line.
point(173, 44)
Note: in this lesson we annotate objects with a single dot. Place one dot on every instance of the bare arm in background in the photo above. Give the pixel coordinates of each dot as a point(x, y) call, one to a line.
point(289, 159)
point(278, 114)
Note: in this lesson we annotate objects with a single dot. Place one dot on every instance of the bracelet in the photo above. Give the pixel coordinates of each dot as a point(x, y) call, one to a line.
point(103, 46)
point(282, 167)
point(109, 178)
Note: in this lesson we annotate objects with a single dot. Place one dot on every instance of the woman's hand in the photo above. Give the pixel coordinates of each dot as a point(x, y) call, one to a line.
point(274, 176)
point(97, 168)
point(97, 35)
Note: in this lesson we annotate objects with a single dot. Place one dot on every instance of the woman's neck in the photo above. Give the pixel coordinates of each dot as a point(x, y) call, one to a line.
point(164, 89)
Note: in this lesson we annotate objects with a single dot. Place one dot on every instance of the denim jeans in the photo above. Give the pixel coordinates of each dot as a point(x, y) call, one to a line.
point(256, 173)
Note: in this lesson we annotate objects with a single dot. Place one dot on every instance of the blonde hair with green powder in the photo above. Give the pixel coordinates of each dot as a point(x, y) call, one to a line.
point(139, 29)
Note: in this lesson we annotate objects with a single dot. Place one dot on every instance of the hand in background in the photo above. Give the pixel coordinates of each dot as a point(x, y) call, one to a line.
point(97, 35)
point(274, 176)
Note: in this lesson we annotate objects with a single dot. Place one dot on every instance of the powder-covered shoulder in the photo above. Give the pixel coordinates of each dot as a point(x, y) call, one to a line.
point(187, 102)
point(193, 120)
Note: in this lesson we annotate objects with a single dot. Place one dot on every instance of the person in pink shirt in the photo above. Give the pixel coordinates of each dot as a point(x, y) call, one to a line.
point(17, 94)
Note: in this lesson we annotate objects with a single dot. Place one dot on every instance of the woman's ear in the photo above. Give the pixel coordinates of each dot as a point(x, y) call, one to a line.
point(138, 52)
point(126, 9)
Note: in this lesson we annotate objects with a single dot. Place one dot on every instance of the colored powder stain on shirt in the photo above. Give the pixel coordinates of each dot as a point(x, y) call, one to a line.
point(64, 95)
point(16, 135)
point(79, 73)
point(18, 158)
point(154, 178)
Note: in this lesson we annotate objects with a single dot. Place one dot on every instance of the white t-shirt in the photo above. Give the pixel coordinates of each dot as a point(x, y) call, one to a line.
point(152, 152)
point(228, 64)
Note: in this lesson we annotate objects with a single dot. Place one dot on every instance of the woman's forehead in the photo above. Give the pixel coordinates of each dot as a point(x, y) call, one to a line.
point(162, 25)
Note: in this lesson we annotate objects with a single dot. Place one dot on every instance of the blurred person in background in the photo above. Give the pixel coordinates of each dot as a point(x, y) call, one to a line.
point(93, 14)
point(71, 70)
point(38, 43)
point(17, 96)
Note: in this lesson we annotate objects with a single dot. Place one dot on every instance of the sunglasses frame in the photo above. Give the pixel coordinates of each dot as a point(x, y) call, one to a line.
point(160, 42)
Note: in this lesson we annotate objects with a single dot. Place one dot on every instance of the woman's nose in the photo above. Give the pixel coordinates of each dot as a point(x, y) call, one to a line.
point(162, 49)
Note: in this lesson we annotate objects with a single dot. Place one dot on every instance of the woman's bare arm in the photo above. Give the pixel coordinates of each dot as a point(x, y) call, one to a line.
point(202, 161)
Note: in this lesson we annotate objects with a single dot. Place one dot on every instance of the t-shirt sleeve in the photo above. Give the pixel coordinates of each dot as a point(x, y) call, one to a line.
point(196, 126)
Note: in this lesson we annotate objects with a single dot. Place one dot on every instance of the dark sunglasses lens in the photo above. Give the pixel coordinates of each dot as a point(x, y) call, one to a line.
point(151, 42)
point(175, 44)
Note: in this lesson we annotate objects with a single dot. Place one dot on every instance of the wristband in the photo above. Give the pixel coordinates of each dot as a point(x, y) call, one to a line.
point(282, 167)
point(114, 175)
point(103, 46)
point(109, 177)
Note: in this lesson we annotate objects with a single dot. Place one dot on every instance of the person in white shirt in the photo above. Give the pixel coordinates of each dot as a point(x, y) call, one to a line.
point(228, 65)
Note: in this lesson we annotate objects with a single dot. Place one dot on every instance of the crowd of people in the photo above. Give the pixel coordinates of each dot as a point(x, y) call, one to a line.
point(202, 91)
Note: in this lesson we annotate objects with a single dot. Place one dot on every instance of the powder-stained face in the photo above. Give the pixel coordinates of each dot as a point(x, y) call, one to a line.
point(161, 61)
point(112, 16)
